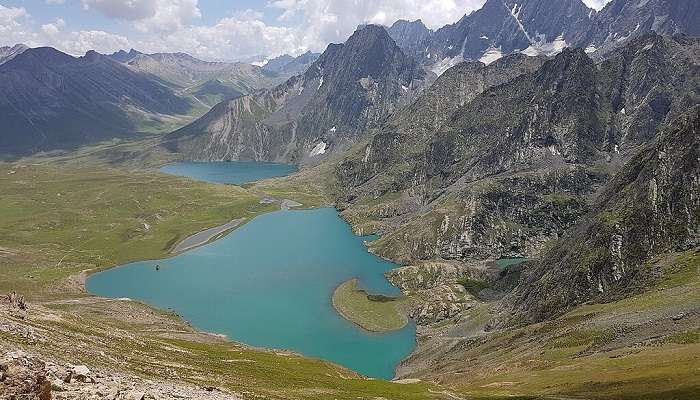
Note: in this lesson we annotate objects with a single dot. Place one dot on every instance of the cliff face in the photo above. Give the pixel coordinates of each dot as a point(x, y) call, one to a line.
point(519, 163)
point(348, 90)
point(650, 207)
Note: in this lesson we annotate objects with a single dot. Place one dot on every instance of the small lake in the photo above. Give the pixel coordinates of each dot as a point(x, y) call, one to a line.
point(235, 172)
point(269, 284)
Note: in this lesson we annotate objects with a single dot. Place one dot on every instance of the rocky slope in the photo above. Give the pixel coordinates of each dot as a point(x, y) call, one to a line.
point(624, 20)
point(649, 208)
point(287, 65)
point(26, 376)
point(7, 53)
point(411, 36)
point(513, 167)
point(51, 100)
point(349, 89)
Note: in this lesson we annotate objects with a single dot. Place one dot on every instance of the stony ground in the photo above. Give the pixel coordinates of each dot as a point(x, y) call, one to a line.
point(26, 376)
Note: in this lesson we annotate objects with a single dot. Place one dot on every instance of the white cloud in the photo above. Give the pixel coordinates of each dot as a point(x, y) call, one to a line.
point(50, 2)
point(241, 35)
point(169, 16)
point(80, 42)
point(10, 16)
point(324, 21)
point(124, 9)
point(148, 15)
point(15, 27)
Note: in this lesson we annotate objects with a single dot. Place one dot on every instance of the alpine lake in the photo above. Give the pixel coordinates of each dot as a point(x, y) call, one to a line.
point(269, 282)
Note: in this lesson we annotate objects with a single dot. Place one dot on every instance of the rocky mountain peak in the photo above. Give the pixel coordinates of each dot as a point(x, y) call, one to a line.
point(348, 89)
point(36, 57)
point(7, 53)
point(411, 36)
point(123, 56)
point(570, 63)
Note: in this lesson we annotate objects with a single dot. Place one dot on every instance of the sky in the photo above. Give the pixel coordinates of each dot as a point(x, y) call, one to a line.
point(212, 29)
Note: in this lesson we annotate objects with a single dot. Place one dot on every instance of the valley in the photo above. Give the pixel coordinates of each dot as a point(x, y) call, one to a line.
point(505, 206)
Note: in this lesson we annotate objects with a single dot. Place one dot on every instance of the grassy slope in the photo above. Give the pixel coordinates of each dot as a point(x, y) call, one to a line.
point(355, 305)
point(627, 349)
point(59, 219)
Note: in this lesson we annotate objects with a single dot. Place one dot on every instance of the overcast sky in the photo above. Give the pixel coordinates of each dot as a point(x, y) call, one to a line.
point(211, 29)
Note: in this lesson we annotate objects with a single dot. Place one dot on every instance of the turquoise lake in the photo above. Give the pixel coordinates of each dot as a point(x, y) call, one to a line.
point(269, 284)
point(235, 172)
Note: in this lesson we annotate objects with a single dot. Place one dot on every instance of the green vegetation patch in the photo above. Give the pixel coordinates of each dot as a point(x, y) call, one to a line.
point(376, 313)
point(473, 286)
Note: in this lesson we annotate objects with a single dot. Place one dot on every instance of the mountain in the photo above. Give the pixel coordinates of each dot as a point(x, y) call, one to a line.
point(411, 36)
point(580, 171)
point(502, 27)
point(7, 53)
point(287, 65)
point(208, 83)
point(541, 27)
point(648, 209)
point(123, 56)
point(350, 88)
point(624, 20)
point(50, 100)
point(184, 71)
point(515, 166)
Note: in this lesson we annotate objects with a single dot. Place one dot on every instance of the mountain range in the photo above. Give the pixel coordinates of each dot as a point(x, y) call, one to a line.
point(327, 107)
point(81, 100)
point(51, 100)
point(541, 27)
point(544, 134)
point(288, 65)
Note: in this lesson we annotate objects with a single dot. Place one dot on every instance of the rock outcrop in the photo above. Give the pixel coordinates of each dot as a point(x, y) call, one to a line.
point(649, 208)
point(514, 167)
point(26, 376)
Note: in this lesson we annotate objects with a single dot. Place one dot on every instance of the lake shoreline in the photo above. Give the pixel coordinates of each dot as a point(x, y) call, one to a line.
point(206, 236)
point(354, 282)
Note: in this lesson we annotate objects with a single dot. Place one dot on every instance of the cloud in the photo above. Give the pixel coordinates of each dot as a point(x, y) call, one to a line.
point(148, 15)
point(82, 41)
point(169, 16)
point(15, 27)
point(324, 21)
point(132, 10)
point(241, 35)
point(10, 16)
point(53, 2)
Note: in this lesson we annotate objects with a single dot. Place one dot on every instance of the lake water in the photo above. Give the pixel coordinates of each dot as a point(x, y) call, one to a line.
point(269, 284)
point(236, 172)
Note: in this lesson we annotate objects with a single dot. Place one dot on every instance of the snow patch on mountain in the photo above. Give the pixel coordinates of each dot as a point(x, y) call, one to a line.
point(492, 54)
point(319, 149)
point(542, 47)
point(446, 63)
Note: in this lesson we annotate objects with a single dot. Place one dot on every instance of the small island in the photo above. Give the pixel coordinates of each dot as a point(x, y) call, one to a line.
point(374, 313)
